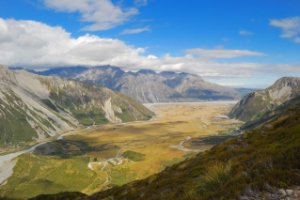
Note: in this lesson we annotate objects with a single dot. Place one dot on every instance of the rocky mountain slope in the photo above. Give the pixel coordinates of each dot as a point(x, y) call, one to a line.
point(34, 107)
point(147, 86)
point(257, 104)
point(263, 163)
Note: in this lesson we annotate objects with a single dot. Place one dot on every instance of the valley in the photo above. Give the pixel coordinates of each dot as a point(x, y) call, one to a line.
point(149, 100)
point(100, 157)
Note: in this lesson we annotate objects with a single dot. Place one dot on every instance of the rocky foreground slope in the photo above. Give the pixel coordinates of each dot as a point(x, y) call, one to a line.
point(262, 163)
point(34, 107)
point(148, 86)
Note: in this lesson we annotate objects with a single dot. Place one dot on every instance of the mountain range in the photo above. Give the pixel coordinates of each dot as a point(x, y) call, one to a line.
point(34, 107)
point(148, 86)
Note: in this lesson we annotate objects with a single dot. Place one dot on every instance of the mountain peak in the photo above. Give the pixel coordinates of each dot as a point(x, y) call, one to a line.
point(148, 86)
point(257, 104)
point(287, 81)
point(146, 71)
point(107, 67)
point(168, 73)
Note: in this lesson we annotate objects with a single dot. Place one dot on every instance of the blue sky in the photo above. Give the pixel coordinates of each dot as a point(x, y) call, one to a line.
point(262, 36)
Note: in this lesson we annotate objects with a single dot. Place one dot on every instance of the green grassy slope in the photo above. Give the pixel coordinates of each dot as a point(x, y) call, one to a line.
point(85, 103)
point(14, 126)
point(50, 175)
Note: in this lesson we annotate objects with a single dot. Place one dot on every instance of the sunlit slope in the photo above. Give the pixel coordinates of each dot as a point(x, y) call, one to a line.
point(256, 104)
point(34, 107)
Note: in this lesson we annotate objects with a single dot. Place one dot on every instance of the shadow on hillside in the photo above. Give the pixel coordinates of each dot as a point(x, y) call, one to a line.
point(68, 148)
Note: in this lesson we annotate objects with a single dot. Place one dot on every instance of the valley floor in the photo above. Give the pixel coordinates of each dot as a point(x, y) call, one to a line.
point(97, 158)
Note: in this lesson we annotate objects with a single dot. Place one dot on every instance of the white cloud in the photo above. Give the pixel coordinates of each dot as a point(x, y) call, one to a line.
point(290, 27)
point(135, 30)
point(222, 53)
point(245, 33)
point(37, 45)
point(102, 14)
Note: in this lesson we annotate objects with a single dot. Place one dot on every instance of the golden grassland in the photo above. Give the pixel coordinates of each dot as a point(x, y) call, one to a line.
point(262, 163)
point(147, 144)
point(172, 124)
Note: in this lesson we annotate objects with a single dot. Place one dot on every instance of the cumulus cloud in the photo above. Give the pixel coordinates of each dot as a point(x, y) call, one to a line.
point(36, 45)
point(245, 33)
point(135, 30)
point(290, 27)
point(33, 43)
point(101, 14)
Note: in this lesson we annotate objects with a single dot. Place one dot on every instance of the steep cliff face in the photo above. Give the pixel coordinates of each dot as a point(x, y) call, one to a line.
point(35, 107)
point(257, 104)
point(148, 86)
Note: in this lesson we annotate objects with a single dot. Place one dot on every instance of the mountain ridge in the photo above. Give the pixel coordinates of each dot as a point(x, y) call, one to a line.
point(256, 104)
point(148, 86)
point(35, 107)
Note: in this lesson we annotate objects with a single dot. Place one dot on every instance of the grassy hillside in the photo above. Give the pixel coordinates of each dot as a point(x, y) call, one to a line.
point(34, 107)
point(254, 165)
point(14, 122)
point(94, 105)
point(56, 175)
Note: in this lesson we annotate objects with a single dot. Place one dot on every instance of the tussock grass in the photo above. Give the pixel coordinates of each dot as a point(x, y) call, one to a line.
point(215, 177)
